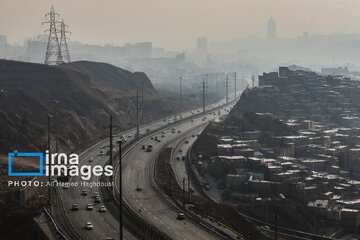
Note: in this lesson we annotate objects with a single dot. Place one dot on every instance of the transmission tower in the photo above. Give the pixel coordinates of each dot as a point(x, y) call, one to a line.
point(53, 51)
point(63, 42)
point(139, 105)
point(235, 84)
point(227, 88)
point(180, 94)
point(204, 90)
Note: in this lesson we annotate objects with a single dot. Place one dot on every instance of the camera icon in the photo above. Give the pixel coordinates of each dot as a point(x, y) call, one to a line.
point(17, 154)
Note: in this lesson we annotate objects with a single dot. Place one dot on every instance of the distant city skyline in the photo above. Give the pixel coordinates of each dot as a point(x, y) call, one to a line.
point(176, 25)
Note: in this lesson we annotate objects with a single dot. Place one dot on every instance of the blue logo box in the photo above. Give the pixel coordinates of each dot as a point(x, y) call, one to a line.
point(17, 154)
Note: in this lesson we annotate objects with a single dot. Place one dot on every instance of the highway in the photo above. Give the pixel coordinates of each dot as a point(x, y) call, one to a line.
point(137, 166)
point(105, 225)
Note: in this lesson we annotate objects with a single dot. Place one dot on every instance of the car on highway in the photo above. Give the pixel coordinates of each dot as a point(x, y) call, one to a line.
point(180, 150)
point(102, 209)
point(181, 216)
point(159, 140)
point(149, 148)
point(89, 207)
point(186, 141)
point(91, 159)
point(177, 158)
point(148, 130)
point(163, 135)
point(66, 186)
point(75, 207)
point(179, 131)
point(207, 187)
point(138, 188)
point(192, 190)
point(89, 226)
point(97, 200)
point(84, 192)
point(265, 227)
point(96, 194)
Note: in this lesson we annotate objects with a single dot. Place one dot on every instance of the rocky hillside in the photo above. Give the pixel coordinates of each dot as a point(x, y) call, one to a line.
point(113, 78)
point(82, 95)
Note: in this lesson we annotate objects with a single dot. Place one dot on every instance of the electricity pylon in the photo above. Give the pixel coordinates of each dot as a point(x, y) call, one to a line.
point(63, 42)
point(53, 51)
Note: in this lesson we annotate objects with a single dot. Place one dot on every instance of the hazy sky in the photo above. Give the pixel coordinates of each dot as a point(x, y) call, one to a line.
point(175, 24)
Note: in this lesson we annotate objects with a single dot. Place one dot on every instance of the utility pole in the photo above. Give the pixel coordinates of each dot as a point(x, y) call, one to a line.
point(235, 84)
point(216, 85)
point(49, 149)
point(189, 192)
point(120, 189)
point(111, 144)
point(184, 192)
point(275, 226)
point(180, 94)
point(111, 147)
point(204, 87)
point(56, 127)
point(53, 51)
point(242, 82)
point(142, 102)
point(253, 80)
point(227, 89)
point(137, 114)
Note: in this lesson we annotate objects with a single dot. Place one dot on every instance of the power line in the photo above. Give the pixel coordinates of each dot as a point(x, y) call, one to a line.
point(227, 88)
point(137, 113)
point(53, 51)
point(235, 84)
point(204, 90)
point(63, 42)
point(180, 94)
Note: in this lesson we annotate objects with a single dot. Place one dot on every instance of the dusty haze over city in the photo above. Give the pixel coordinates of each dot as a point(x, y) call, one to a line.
point(176, 24)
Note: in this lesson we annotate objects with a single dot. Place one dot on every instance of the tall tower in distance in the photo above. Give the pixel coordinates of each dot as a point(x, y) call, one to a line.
point(202, 45)
point(271, 29)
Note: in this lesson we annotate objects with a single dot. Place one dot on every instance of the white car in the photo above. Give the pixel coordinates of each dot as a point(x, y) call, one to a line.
point(96, 194)
point(89, 207)
point(102, 209)
point(89, 226)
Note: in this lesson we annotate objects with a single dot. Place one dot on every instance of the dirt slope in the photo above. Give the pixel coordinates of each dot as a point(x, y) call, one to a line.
point(28, 93)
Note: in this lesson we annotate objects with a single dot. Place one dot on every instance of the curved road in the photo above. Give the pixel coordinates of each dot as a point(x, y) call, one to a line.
point(137, 168)
point(136, 171)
